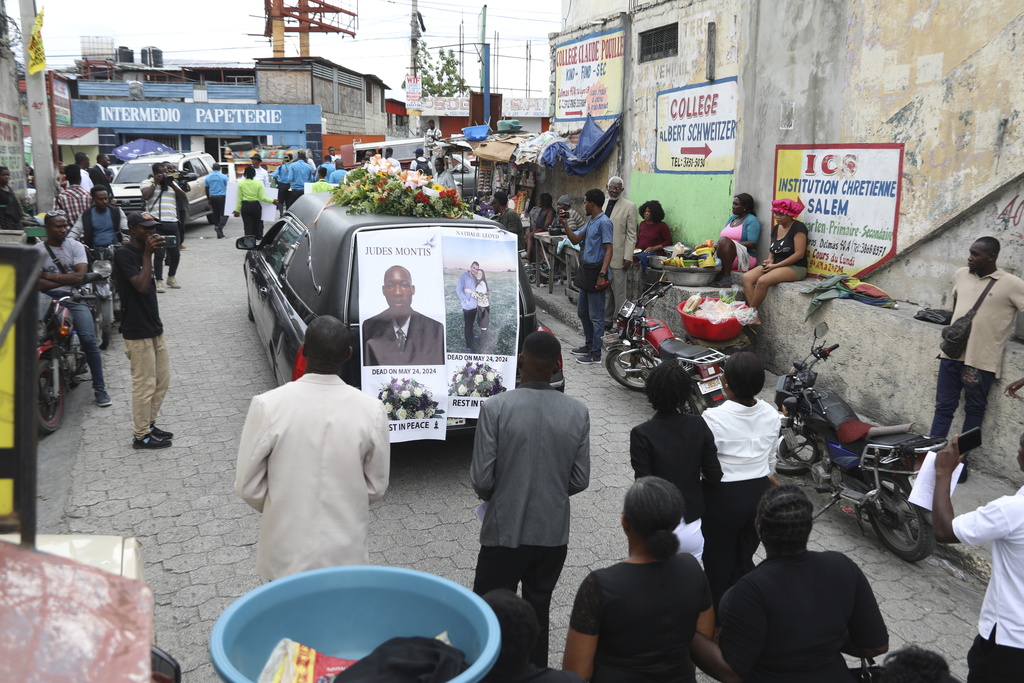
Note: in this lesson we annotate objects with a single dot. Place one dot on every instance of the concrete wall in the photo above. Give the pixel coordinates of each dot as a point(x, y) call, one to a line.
point(285, 87)
point(886, 368)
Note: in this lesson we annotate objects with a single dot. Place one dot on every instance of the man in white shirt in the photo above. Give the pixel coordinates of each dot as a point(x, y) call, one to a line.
point(82, 161)
point(389, 155)
point(261, 173)
point(998, 651)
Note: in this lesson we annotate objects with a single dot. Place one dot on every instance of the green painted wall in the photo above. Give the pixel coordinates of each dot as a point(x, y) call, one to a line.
point(696, 206)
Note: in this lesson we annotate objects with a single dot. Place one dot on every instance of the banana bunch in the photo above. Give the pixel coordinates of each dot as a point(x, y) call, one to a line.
point(676, 262)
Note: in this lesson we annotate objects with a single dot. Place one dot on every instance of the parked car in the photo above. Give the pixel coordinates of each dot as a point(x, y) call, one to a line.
point(295, 274)
point(193, 167)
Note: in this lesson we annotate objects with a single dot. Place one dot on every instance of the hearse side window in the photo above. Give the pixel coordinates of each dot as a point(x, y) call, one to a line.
point(279, 252)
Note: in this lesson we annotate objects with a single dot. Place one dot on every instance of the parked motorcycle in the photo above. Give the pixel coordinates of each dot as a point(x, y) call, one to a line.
point(60, 358)
point(640, 344)
point(870, 469)
point(108, 303)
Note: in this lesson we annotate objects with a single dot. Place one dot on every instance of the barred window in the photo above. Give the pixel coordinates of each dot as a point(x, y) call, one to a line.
point(659, 43)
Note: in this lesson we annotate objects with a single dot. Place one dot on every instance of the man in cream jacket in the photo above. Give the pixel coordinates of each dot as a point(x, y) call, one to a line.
point(313, 455)
point(623, 215)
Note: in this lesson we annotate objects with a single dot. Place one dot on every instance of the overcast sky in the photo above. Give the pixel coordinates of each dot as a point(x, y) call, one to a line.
point(222, 31)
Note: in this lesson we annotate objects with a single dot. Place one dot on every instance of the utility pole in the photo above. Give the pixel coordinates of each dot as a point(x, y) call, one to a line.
point(483, 41)
point(414, 45)
point(38, 117)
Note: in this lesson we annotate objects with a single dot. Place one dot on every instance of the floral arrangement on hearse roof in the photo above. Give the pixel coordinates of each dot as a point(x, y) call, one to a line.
point(476, 380)
point(384, 188)
point(407, 399)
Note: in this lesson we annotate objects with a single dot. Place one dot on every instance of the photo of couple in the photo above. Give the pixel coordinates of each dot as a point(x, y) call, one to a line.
point(480, 296)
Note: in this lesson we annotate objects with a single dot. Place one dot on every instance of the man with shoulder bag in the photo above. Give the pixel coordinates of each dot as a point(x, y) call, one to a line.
point(987, 301)
point(593, 276)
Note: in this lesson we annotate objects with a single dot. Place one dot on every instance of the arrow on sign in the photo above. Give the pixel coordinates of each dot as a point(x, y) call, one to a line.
point(574, 113)
point(704, 151)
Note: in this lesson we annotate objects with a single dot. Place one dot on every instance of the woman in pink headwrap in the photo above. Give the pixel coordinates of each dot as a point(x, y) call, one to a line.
point(787, 261)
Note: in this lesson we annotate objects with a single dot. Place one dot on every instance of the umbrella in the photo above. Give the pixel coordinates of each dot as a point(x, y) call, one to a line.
point(136, 148)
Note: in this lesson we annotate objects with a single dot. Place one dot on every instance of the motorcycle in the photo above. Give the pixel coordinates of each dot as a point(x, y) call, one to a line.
point(640, 344)
point(108, 303)
point(868, 468)
point(60, 358)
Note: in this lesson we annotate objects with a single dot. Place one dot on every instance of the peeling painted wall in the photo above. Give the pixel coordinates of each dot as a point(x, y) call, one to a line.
point(285, 87)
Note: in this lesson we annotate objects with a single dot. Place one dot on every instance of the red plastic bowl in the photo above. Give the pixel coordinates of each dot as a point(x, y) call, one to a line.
point(702, 328)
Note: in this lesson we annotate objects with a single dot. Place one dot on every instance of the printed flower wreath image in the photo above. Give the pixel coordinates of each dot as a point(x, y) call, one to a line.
point(476, 380)
point(407, 399)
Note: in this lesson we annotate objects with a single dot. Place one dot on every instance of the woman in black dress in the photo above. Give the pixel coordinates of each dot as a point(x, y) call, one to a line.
point(787, 261)
point(678, 448)
point(634, 621)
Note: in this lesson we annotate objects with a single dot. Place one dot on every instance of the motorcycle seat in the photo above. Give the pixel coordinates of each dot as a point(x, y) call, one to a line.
point(680, 349)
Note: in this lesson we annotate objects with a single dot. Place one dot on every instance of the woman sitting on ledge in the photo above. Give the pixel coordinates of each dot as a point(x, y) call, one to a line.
point(787, 261)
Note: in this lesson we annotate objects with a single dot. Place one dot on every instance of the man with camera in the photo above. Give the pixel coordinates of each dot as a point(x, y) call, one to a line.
point(143, 331)
point(160, 194)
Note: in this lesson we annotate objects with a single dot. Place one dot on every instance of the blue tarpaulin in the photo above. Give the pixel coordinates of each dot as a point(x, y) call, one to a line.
point(592, 148)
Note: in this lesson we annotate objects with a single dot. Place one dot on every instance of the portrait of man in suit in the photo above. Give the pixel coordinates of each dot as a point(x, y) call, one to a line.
point(400, 335)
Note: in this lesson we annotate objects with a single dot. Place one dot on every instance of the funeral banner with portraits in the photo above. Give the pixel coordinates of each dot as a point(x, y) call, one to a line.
point(439, 321)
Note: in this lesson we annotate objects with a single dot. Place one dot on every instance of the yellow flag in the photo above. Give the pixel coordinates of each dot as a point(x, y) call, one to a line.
point(36, 53)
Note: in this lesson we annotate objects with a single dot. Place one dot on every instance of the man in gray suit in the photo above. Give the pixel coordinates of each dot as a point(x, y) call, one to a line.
point(623, 214)
point(532, 451)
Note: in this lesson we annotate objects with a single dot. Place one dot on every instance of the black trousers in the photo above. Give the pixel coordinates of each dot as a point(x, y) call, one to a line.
point(294, 194)
point(251, 218)
point(171, 256)
point(730, 538)
point(537, 568)
point(217, 204)
point(991, 663)
point(468, 319)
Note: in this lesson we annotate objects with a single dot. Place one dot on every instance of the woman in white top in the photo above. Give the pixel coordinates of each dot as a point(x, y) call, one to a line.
point(746, 431)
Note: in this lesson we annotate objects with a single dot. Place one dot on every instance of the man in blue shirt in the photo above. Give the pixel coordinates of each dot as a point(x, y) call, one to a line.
point(597, 253)
point(283, 176)
point(337, 176)
point(466, 288)
point(216, 194)
point(102, 224)
point(328, 164)
point(300, 172)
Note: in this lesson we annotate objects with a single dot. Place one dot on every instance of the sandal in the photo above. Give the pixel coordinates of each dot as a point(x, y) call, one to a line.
point(721, 284)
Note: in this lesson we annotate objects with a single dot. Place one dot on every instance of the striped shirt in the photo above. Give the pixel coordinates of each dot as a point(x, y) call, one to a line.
point(162, 204)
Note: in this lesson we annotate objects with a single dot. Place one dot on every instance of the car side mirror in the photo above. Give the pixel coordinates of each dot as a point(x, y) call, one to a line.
point(247, 242)
point(189, 177)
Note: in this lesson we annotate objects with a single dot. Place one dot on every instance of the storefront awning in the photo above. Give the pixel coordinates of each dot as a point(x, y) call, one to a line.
point(72, 135)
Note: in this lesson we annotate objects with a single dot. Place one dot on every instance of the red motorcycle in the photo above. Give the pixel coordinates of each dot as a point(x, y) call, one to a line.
point(60, 358)
point(642, 343)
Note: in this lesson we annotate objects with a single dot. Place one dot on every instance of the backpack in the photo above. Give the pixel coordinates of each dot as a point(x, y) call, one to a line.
point(423, 167)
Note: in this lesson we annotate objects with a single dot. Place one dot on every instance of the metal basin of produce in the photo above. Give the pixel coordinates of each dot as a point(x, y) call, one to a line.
point(690, 277)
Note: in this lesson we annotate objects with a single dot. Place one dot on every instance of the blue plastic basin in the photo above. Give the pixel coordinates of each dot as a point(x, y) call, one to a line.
point(347, 612)
point(476, 133)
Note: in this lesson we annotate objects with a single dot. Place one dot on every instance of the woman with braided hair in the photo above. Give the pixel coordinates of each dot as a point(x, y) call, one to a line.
point(793, 616)
point(634, 621)
point(676, 447)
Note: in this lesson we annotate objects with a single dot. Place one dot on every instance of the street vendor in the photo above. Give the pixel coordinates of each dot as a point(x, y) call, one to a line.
point(787, 260)
point(737, 244)
point(653, 233)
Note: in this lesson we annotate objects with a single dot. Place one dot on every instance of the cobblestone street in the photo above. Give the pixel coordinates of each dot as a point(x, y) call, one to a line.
point(198, 538)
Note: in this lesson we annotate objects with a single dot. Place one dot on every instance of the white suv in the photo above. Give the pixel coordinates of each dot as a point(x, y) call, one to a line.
point(192, 166)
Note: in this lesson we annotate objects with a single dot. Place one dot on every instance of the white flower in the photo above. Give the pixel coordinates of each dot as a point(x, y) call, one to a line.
point(475, 394)
point(388, 407)
point(418, 391)
point(430, 411)
point(405, 394)
point(459, 377)
point(419, 414)
point(490, 376)
point(402, 414)
point(462, 390)
point(478, 379)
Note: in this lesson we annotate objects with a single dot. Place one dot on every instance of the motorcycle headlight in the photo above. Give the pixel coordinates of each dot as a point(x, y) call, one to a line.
point(102, 267)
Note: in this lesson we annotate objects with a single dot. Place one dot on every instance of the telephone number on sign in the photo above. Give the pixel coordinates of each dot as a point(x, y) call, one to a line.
point(688, 162)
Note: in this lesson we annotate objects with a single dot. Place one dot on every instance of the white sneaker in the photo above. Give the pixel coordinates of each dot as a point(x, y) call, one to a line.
point(173, 283)
point(160, 287)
